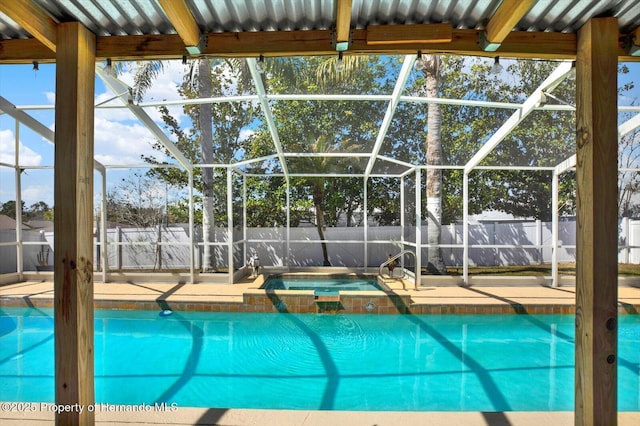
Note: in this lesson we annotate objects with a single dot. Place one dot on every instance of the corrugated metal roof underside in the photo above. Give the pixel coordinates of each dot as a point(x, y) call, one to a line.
point(136, 17)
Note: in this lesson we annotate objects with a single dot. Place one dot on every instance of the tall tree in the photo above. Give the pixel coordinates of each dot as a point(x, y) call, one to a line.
point(203, 80)
point(203, 90)
point(320, 165)
point(434, 158)
point(313, 127)
point(138, 200)
point(628, 158)
point(629, 179)
point(201, 69)
point(9, 209)
point(544, 138)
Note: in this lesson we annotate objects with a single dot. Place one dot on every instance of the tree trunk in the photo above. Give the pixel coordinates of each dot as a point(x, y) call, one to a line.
point(206, 146)
point(434, 157)
point(318, 196)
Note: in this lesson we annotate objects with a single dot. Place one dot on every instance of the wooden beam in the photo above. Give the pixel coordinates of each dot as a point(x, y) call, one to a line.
point(597, 222)
point(140, 47)
point(73, 227)
point(518, 44)
point(184, 23)
point(508, 14)
point(408, 34)
point(343, 21)
point(279, 43)
point(24, 51)
point(32, 18)
point(318, 42)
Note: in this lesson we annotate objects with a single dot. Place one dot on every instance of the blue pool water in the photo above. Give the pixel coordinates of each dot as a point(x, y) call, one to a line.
point(333, 362)
point(334, 285)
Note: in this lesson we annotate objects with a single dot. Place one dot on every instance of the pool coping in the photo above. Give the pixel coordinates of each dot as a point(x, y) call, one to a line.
point(248, 297)
point(228, 417)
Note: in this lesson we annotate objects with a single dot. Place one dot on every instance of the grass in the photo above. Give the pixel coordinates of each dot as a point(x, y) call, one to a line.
point(624, 269)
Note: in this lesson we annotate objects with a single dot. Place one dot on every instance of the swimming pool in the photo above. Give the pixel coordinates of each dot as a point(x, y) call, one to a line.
point(325, 284)
point(332, 362)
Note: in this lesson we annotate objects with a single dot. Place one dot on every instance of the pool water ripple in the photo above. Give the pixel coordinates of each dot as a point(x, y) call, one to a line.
point(338, 362)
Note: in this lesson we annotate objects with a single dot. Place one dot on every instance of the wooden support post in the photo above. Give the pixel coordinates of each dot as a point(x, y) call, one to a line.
point(73, 244)
point(597, 224)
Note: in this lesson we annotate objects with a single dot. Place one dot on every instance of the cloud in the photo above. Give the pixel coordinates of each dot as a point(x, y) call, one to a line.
point(28, 157)
point(246, 133)
point(120, 138)
point(164, 88)
point(121, 144)
point(31, 194)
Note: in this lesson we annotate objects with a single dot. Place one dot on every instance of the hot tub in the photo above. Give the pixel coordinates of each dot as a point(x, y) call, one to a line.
point(324, 284)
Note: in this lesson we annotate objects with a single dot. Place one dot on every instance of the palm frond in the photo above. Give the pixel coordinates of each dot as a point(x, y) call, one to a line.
point(145, 75)
point(241, 69)
point(328, 75)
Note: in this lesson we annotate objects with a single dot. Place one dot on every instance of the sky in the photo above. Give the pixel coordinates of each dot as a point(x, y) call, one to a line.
point(119, 138)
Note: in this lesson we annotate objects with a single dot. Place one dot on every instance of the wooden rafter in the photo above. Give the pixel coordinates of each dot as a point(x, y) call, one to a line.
point(518, 44)
point(32, 18)
point(184, 23)
point(502, 22)
point(409, 34)
point(343, 21)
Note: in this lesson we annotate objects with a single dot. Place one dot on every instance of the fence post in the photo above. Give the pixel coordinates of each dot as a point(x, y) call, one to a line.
point(365, 254)
point(97, 244)
point(632, 240)
point(119, 242)
point(418, 256)
point(465, 227)
point(492, 240)
point(539, 241)
point(159, 246)
point(626, 238)
point(453, 241)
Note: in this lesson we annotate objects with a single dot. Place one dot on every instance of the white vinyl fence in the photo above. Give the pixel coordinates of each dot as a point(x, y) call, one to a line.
point(491, 243)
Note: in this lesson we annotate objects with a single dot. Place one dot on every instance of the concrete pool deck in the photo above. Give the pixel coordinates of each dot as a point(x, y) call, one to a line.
point(233, 417)
point(237, 417)
point(246, 296)
point(447, 299)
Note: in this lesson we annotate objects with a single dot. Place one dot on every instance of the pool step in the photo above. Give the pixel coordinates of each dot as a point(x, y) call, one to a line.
point(328, 299)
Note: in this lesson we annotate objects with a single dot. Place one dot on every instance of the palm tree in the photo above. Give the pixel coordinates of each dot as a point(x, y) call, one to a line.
point(206, 147)
point(322, 164)
point(319, 165)
point(200, 80)
point(336, 70)
point(145, 75)
point(351, 64)
point(434, 158)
